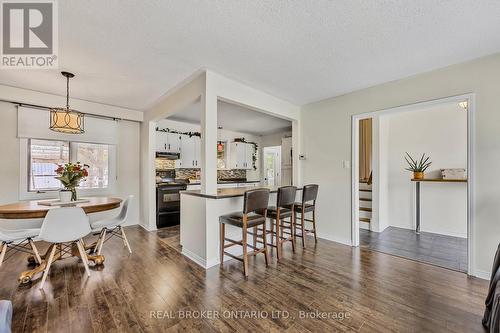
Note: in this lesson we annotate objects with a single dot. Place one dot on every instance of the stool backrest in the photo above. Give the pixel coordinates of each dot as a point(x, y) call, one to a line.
point(256, 200)
point(65, 224)
point(286, 196)
point(309, 193)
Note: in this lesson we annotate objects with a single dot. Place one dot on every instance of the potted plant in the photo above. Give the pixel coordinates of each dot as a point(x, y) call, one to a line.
point(70, 175)
point(418, 167)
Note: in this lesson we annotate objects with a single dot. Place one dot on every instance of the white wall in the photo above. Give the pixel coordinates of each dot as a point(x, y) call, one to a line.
point(441, 133)
point(326, 140)
point(127, 163)
point(274, 139)
point(223, 135)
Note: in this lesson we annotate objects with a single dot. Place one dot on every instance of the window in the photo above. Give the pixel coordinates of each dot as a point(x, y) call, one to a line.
point(45, 155)
point(97, 157)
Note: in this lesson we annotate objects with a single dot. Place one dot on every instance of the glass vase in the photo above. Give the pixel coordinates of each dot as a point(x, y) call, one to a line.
point(73, 194)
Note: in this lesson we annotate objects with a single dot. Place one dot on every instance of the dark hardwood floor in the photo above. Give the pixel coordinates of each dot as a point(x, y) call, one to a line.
point(440, 250)
point(379, 292)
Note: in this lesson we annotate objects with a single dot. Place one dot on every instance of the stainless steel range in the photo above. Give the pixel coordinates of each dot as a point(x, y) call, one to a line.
point(168, 202)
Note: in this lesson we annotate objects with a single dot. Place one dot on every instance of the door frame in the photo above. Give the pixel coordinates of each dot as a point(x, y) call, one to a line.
point(471, 178)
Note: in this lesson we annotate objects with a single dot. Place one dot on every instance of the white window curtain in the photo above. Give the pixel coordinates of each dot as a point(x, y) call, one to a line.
point(34, 124)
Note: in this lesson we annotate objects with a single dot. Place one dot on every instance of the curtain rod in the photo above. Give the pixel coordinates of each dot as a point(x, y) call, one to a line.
point(46, 108)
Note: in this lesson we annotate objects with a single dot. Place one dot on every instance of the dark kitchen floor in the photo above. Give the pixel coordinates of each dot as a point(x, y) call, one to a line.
point(148, 291)
point(171, 236)
point(440, 250)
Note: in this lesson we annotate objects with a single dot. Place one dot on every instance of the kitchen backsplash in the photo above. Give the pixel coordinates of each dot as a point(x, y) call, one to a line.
point(165, 164)
point(185, 173)
point(225, 174)
point(221, 174)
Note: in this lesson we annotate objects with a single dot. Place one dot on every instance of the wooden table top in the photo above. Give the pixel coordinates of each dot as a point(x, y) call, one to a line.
point(440, 180)
point(32, 210)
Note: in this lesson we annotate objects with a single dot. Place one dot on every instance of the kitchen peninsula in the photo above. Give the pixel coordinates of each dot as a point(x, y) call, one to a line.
point(200, 221)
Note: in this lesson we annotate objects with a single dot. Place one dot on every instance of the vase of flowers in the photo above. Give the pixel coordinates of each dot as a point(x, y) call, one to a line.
point(417, 166)
point(70, 175)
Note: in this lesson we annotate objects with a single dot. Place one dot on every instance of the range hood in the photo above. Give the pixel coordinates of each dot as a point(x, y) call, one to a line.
point(168, 156)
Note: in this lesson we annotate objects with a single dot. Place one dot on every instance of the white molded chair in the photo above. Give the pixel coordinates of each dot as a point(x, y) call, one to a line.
point(112, 227)
point(62, 226)
point(18, 240)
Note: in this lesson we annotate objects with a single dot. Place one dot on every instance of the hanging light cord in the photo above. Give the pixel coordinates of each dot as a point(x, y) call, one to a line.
point(67, 93)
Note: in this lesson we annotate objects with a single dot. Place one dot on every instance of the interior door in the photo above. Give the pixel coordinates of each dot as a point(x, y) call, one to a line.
point(272, 166)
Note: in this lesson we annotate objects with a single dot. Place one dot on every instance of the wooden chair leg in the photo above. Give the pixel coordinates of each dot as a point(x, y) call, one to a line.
point(35, 252)
point(255, 237)
point(222, 230)
point(49, 263)
point(83, 255)
point(272, 231)
point(292, 231)
point(3, 248)
point(264, 235)
point(277, 236)
point(101, 243)
point(96, 248)
point(280, 221)
point(125, 240)
point(245, 252)
point(314, 224)
point(303, 229)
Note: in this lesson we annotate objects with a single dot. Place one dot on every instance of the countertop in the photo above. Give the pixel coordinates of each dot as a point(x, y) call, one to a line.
point(232, 192)
point(229, 182)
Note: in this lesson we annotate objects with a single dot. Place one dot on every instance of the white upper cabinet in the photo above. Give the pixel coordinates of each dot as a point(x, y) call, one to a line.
point(190, 149)
point(161, 141)
point(241, 155)
point(168, 142)
point(173, 143)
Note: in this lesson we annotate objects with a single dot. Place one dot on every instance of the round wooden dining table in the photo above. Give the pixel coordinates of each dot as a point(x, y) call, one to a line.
point(36, 209)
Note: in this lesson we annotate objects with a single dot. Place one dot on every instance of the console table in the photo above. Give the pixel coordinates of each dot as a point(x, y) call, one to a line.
point(417, 194)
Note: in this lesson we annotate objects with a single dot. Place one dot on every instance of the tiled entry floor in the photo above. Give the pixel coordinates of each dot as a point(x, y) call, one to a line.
point(440, 250)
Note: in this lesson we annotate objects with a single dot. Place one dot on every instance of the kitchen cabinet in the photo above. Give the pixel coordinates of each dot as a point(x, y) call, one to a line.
point(173, 143)
point(241, 155)
point(168, 142)
point(190, 150)
point(161, 140)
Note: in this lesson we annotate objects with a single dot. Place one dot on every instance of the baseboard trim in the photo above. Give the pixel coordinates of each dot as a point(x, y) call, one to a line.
point(485, 275)
point(194, 257)
point(335, 239)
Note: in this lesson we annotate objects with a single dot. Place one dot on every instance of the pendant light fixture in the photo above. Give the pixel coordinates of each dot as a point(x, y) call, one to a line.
point(66, 120)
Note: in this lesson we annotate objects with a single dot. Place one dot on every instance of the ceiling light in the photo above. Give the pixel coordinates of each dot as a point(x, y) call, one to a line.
point(66, 120)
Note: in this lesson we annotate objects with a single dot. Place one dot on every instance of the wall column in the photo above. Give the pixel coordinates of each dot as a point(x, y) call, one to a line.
point(208, 139)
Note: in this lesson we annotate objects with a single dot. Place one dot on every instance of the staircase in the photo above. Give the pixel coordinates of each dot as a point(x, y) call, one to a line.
point(365, 204)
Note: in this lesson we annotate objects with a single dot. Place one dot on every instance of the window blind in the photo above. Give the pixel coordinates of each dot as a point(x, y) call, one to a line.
point(34, 123)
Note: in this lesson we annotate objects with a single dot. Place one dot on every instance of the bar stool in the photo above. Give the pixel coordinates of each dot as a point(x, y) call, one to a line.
point(308, 204)
point(278, 214)
point(253, 215)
